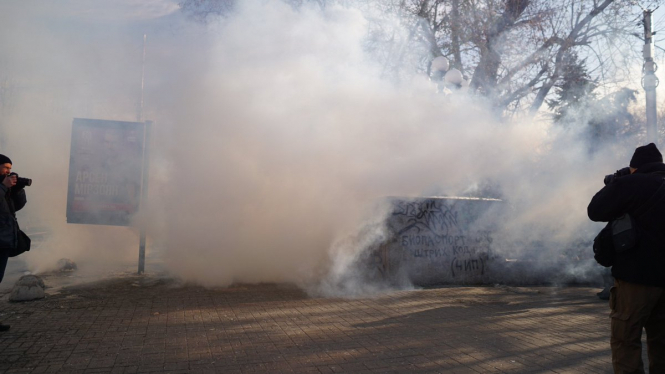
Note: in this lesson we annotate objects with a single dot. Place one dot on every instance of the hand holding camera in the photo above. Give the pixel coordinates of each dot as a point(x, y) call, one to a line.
point(13, 180)
point(619, 173)
point(9, 181)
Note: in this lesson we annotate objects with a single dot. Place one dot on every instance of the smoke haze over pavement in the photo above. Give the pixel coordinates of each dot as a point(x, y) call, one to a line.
point(275, 138)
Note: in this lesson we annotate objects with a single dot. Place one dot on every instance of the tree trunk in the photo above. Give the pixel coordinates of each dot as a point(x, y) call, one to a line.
point(485, 76)
point(454, 35)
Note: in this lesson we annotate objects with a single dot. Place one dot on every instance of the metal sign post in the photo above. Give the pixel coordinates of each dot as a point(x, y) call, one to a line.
point(146, 157)
point(144, 196)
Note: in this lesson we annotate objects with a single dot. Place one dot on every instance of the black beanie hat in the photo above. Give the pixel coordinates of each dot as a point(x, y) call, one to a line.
point(645, 154)
point(4, 160)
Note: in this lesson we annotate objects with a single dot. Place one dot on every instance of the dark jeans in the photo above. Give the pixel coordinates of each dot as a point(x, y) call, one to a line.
point(3, 263)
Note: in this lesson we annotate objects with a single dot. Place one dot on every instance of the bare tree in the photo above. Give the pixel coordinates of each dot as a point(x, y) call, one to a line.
point(491, 45)
point(513, 51)
point(203, 10)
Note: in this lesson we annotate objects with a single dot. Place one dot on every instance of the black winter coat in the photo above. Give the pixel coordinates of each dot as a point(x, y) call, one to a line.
point(644, 264)
point(12, 200)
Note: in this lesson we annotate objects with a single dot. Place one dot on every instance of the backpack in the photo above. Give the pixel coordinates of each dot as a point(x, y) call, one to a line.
point(603, 247)
point(625, 233)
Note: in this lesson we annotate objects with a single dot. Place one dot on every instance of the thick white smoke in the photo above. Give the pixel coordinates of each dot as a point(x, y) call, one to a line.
point(276, 138)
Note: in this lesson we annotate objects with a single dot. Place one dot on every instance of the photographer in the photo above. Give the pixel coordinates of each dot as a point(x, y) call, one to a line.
point(13, 200)
point(637, 299)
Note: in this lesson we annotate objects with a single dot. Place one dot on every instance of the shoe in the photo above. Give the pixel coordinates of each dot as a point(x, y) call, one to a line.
point(604, 294)
point(4, 327)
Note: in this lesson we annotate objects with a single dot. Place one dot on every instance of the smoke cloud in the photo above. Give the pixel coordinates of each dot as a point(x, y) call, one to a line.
point(276, 140)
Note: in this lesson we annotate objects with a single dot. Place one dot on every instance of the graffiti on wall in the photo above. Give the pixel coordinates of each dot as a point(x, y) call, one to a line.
point(429, 216)
point(436, 231)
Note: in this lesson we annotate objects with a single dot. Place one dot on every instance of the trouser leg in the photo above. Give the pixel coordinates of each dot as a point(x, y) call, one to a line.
point(655, 328)
point(626, 302)
point(3, 263)
point(608, 282)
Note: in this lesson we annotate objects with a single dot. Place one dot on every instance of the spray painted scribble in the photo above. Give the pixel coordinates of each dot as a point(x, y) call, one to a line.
point(438, 240)
point(429, 216)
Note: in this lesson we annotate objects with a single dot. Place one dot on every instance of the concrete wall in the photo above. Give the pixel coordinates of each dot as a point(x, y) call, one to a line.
point(439, 241)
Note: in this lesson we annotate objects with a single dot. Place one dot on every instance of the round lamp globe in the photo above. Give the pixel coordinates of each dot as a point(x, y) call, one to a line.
point(454, 76)
point(440, 64)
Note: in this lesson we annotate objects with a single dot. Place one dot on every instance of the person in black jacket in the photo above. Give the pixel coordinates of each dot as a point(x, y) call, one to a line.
point(637, 299)
point(14, 199)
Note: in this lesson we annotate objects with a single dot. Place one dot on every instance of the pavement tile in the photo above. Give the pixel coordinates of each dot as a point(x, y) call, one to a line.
point(146, 324)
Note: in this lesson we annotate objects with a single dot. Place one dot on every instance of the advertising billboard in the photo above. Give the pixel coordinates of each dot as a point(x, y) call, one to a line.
point(105, 171)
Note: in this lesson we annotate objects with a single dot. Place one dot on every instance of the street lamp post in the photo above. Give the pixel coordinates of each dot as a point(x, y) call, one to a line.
point(650, 81)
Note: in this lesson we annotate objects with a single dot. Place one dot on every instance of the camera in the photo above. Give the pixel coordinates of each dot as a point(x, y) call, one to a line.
point(619, 173)
point(21, 182)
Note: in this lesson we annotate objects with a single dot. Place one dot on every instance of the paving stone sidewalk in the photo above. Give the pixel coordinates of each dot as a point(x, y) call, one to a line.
point(148, 324)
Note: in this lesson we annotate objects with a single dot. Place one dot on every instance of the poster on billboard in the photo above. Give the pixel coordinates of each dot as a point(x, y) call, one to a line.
point(105, 171)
